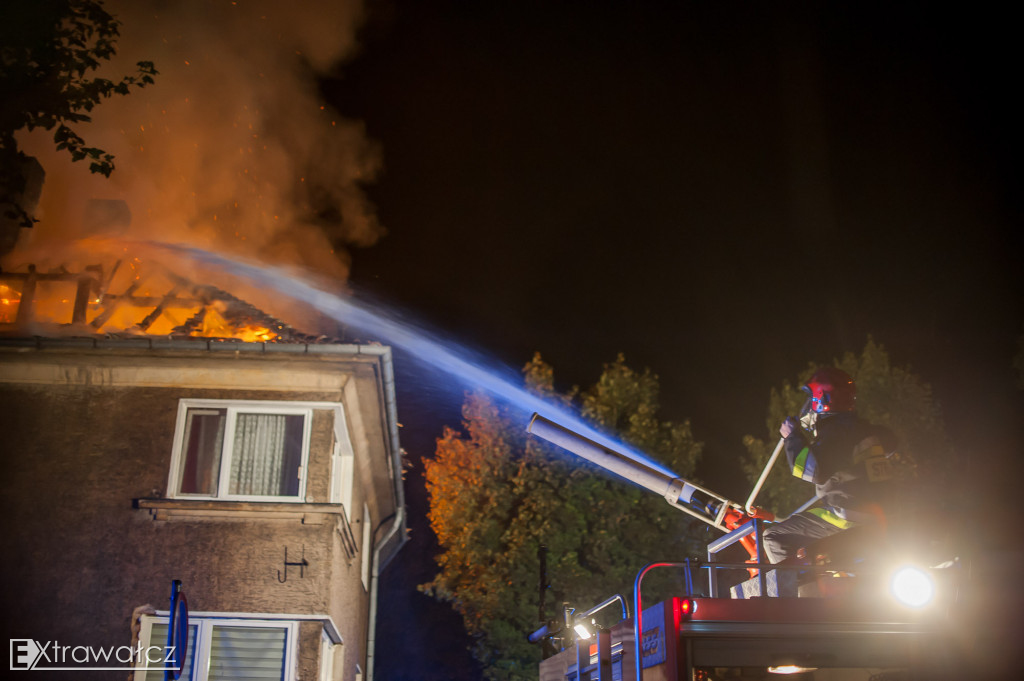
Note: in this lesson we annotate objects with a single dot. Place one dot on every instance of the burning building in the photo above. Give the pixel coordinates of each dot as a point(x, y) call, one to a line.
point(159, 429)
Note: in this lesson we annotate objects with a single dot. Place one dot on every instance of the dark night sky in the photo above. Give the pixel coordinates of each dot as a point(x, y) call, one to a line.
point(724, 194)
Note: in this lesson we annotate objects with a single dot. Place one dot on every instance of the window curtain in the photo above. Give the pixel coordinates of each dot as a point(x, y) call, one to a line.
point(155, 658)
point(258, 456)
point(204, 440)
point(239, 653)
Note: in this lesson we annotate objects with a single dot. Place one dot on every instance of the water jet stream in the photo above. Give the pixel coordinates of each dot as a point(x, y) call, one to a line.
point(417, 342)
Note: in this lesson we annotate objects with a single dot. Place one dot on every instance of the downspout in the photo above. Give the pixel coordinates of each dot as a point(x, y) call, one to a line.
point(398, 519)
point(371, 639)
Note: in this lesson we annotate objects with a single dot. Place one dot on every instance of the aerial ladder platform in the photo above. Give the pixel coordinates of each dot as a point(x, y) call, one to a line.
point(749, 619)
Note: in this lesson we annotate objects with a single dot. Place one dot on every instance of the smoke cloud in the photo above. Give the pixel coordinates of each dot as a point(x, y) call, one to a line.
point(232, 149)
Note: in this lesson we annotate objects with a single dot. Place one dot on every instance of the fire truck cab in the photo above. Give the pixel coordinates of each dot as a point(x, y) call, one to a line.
point(816, 622)
point(765, 638)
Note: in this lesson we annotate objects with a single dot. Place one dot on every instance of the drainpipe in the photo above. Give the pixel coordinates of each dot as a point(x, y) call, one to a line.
point(398, 519)
point(371, 640)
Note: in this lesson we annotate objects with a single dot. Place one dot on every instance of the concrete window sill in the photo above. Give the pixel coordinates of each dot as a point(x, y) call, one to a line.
point(202, 509)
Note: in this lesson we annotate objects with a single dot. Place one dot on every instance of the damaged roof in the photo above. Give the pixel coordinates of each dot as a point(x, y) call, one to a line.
point(129, 300)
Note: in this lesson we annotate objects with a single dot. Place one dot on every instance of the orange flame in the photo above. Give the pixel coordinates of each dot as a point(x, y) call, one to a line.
point(10, 300)
point(215, 326)
point(134, 295)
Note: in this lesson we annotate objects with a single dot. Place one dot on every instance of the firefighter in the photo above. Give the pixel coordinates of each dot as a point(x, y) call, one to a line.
point(844, 456)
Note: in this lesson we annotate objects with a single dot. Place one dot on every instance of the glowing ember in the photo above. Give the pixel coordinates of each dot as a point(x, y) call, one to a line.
point(215, 326)
point(9, 302)
point(130, 297)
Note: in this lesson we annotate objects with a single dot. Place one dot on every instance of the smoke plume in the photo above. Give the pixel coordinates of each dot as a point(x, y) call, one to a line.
point(232, 149)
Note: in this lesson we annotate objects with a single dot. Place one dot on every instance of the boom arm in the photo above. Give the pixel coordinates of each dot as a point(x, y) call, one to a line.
point(688, 497)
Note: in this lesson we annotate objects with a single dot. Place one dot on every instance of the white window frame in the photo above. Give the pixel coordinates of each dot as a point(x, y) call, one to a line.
point(233, 408)
point(204, 635)
point(343, 464)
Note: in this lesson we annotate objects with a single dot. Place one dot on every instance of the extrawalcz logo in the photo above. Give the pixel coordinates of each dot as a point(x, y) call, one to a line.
point(31, 655)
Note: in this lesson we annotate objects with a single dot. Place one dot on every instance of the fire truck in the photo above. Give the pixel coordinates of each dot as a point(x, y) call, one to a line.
point(867, 605)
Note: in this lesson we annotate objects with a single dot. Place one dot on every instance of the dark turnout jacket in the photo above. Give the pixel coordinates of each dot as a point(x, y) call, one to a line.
point(846, 459)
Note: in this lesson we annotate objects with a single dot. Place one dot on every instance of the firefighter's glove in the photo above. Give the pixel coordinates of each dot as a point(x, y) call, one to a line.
point(788, 427)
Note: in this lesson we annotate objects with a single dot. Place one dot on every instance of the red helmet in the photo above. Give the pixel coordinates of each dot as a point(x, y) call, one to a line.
point(832, 390)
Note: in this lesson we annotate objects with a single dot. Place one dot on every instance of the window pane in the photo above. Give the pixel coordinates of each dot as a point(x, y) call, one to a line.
point(203, 442)
point(157, 652)
point(247, 653)
point(266, 455)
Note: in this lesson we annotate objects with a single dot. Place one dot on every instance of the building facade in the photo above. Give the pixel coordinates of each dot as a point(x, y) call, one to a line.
point(266, 477)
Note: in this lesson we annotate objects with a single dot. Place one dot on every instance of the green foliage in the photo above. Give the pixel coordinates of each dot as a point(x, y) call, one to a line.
point(888, 396)
point(496, 496)
point(48, 48)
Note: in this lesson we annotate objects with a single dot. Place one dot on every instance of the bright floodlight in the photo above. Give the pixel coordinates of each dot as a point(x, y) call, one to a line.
point(912, 586)
point(581, 630)
point(790, 669)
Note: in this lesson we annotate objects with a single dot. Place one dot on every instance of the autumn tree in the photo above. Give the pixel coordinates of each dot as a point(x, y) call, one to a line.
point(889, 396)
point(49, 50)
point(496, 496)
